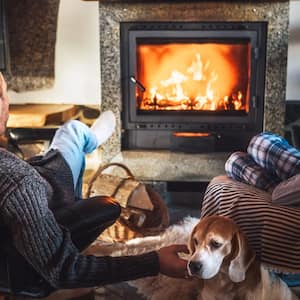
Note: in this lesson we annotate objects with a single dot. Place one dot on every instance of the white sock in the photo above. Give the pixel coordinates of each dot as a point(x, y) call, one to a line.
point(104, 126)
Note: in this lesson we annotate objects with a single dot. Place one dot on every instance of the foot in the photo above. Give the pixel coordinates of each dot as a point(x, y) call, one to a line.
point(104, 126)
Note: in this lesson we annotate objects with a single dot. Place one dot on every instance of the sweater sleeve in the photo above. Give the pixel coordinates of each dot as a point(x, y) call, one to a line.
point(49, 249)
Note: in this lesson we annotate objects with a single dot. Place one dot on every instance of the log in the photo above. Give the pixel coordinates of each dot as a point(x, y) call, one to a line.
point(39, 115)
point(127, 191)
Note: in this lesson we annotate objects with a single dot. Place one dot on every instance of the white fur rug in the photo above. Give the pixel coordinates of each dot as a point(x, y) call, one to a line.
point(159, 287)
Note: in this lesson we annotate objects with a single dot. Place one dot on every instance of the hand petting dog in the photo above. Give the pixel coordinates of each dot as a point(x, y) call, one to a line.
point(170, 262)
point(220, 264)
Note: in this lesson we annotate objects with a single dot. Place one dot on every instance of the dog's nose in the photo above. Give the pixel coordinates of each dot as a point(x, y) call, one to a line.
point(195, 267)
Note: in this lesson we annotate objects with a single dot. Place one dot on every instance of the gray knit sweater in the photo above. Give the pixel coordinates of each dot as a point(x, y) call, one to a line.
point(24, 197)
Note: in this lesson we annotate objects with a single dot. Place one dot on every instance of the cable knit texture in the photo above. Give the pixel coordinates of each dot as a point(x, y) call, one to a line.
point(24, 197)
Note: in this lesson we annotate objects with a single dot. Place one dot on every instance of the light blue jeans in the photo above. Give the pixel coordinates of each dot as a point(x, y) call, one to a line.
point(74, 140)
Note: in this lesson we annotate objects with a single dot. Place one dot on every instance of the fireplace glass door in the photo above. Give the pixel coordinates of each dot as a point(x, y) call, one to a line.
point(202, 79)
point(191, 76)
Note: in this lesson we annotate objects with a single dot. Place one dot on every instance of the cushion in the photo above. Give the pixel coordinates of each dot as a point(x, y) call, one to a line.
point(288, 192)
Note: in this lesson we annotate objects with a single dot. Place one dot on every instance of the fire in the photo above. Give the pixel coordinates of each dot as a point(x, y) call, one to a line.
point(191, 134)
point(193, 76)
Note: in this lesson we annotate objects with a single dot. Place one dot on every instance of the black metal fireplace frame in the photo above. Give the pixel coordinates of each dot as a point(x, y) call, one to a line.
point(154, 131)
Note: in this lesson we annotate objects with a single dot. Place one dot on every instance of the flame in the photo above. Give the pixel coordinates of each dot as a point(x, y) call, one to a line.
point(194, 76)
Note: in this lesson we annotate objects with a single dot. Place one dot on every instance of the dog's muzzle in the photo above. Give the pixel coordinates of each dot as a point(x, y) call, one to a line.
point(195, 267)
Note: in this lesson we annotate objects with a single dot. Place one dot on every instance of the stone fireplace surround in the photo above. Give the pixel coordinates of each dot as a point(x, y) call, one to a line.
point(171, 166)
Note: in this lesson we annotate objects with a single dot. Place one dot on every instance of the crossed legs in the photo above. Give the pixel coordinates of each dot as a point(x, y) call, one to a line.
point(85, 219)
point(268, 161)
point(74, 140)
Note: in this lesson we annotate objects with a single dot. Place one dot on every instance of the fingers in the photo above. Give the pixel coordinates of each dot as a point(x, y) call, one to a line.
point(171, 264)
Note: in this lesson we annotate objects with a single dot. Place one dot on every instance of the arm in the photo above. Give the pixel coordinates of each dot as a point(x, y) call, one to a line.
point(49, 249)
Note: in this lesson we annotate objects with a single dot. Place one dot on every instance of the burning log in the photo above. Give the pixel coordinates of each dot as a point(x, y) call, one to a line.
point(166, 103)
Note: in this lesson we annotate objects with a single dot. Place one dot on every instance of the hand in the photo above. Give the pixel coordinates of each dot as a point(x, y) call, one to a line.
point(170, 263)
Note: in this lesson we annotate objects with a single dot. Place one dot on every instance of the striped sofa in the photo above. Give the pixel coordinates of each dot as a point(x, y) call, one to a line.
point(273, 230)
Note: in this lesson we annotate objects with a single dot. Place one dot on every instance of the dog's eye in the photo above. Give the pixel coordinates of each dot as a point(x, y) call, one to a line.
point(214, 244)
point(195, 241)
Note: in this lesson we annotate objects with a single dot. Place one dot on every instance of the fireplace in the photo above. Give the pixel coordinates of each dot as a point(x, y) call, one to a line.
point(265, 93)
point(192, 86)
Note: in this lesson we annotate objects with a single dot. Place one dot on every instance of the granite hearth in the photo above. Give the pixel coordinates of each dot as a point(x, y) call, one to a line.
point(170, 166)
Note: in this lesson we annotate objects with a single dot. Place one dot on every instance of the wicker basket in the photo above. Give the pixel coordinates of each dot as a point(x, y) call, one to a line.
point(143, 210)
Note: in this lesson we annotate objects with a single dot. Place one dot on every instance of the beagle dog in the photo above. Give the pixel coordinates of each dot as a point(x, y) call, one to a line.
point(221, 265)
point(221, 256)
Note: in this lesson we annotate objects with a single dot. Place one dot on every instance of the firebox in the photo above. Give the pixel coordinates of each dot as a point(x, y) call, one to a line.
point(192, 86)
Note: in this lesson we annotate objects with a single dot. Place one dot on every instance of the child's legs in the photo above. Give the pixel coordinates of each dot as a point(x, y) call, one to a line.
point(73, 140)
point(241, 167)
point(275, 155)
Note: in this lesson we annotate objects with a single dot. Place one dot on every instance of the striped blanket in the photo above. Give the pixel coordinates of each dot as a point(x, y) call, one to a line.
point(273, 230)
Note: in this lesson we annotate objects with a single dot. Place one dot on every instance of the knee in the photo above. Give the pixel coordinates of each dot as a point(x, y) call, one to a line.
point(105, 207)
point(235, 160)
point(73, 130)
point(261, 143)
point(75, 126)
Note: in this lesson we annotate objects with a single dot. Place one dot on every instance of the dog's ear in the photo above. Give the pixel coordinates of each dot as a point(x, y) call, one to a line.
point(191, 244)
point(243, 259)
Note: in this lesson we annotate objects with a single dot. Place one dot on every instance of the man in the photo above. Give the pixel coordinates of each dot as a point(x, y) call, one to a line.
point(45, 227)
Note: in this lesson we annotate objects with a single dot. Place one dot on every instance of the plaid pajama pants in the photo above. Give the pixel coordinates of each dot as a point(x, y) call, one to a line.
point(268, 161)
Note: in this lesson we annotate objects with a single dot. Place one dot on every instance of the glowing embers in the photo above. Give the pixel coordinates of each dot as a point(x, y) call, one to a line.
point(193, 142)
point(191, 134)
point(191, 76)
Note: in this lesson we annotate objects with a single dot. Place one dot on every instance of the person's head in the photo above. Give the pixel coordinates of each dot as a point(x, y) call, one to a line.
point(4, 105)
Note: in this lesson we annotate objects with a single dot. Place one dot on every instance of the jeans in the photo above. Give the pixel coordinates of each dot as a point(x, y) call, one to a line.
point(74, 140)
